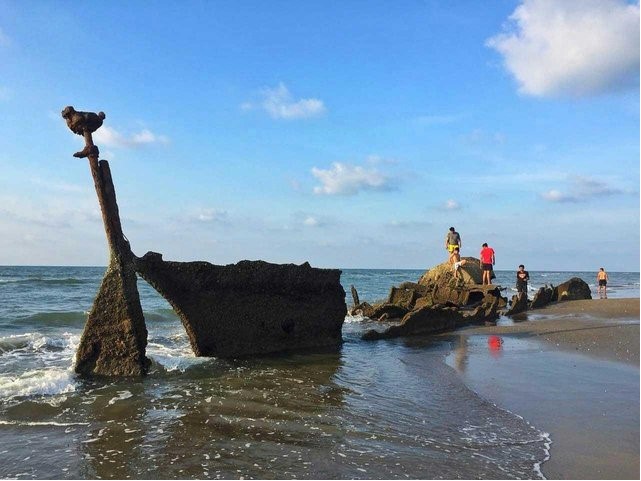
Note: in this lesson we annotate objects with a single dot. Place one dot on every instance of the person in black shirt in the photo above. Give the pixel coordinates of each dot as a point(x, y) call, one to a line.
point(522, 276)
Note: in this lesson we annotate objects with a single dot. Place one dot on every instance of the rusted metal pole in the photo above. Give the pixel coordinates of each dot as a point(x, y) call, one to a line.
point(106, 193)
point(114, 339)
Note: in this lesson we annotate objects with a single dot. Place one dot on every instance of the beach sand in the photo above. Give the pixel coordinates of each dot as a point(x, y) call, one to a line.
point(572, 370)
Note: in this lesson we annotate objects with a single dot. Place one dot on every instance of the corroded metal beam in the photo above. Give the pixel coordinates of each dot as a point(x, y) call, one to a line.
point(114, 339)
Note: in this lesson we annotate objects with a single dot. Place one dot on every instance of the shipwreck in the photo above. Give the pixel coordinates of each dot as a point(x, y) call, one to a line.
point(257, 308)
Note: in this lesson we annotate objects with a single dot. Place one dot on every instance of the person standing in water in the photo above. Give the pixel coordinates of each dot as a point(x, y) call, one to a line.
point(487, 260)
point(522, 276)
point(602, 280)
point(452, 240)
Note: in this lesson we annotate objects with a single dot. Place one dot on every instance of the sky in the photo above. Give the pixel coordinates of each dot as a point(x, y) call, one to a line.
point(346, 134)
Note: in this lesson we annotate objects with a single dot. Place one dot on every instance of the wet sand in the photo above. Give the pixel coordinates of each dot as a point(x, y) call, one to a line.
point(607, 328)
point(572, 370)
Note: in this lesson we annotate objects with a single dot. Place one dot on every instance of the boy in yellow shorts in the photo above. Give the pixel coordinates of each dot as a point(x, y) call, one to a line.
point(452, 240)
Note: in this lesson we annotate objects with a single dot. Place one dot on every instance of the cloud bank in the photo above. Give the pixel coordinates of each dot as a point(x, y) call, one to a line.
point(571, 47)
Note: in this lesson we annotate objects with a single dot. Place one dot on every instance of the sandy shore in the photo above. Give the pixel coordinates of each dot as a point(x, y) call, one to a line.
point(572, 370)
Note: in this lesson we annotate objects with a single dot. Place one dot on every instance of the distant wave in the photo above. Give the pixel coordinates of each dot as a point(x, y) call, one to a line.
point(78, 318)
point(47, 281)
point(161, 315)
point(54, 318)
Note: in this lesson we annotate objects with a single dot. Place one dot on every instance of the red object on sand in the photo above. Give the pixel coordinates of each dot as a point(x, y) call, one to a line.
point(494, 342)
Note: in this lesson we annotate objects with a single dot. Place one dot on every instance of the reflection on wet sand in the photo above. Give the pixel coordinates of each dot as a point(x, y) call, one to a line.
point(111, 447)
point(495, 344)
point(461, 354)
point(259, 416)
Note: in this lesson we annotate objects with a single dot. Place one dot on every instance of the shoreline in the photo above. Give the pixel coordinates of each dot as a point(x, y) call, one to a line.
point(604, 328)
point(572, 370)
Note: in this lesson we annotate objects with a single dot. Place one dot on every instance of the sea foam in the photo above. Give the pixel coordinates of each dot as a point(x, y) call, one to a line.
point(37, 382)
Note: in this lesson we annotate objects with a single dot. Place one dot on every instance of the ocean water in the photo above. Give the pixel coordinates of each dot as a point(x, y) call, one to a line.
point(392, 409)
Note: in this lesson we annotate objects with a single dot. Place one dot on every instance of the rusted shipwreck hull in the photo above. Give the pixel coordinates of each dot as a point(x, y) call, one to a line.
point(252, 307)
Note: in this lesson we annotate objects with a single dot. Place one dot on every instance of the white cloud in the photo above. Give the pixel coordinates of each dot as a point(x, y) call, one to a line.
point(306, 220)
point(345, 179)
point(110, 137)
point(279, 104)
point(146, 136)
point(581, 189)
point(571, 47)
point(451, 204)
point(311, 221)
point(557, 196)
point(211, 215)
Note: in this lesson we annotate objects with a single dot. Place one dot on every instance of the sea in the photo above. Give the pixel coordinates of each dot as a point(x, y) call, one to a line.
point(393, 409)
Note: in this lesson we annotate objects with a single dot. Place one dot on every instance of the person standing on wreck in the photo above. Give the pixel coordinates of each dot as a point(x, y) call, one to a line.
point(452, 240)
point(487, 260)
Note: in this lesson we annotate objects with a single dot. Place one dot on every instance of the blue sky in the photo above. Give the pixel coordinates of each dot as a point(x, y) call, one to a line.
point(346, 134)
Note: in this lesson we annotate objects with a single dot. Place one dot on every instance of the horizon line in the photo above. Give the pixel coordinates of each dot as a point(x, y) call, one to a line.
point(340, 268)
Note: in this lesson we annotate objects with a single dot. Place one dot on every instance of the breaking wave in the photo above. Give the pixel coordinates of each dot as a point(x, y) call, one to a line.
point(40, 382)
